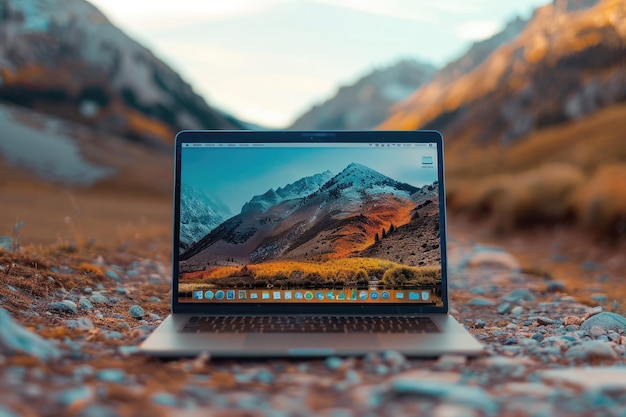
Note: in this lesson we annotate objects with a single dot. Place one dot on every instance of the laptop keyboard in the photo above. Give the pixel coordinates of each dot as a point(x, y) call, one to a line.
point(307, 324)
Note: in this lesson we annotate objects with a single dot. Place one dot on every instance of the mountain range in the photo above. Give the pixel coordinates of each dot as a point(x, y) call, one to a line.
point(343, 216)
point(567, 62)
point(366, 103)
point(65, 58)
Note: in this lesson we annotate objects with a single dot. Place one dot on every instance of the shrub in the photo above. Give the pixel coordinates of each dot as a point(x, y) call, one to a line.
point(601, 203)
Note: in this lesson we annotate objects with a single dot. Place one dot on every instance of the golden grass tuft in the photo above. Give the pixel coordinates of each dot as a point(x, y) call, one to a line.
point(91, 269)
point(601, 202)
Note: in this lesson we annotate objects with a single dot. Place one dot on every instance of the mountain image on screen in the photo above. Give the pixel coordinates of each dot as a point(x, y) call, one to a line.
point(349, 229)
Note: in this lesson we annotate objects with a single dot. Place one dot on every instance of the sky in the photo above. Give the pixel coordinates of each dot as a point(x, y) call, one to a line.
point(268, 61)
point(235, 175)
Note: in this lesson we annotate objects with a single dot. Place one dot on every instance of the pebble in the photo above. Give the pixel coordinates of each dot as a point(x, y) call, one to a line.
point(111, 375)
point(456, 393)
point(607, 321)
point(555, 286)
point(154, 316)
point(120, 290)
point(87, 290)
point(73, 395)
point(4, 412)
point(607, 379)
point(112, 334)
point(333, 362)
point(482, 302)
point(85, 304)
point(123, 325)
point(394, 359)
point(519, 295)
point(16, 339)
point(163, 398)
point(505, 308)
point(63, 306)
point(82, 323)
point(112, 274)
point(97, 410)
point(517, 311)
point(99, 299)
point(593, 349)
point(154, 299)
point(479, 324)
point(544, 321)
point(477, 290)
point(136, 312)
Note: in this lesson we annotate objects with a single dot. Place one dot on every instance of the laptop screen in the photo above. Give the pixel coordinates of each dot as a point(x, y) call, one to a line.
point(309, 223)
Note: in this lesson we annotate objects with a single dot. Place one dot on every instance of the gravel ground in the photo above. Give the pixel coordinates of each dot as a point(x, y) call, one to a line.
point(70, 324)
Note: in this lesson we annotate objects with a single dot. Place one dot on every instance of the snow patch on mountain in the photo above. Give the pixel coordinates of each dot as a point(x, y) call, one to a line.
point(199, 215)
point(357, 180)
point(298, 189)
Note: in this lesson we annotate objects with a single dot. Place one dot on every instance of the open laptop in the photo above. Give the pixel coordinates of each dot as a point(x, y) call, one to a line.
point(320, 243)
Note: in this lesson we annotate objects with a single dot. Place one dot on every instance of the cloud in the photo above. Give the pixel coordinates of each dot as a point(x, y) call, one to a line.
point(399, 9)
point(154, 15)
point(478, 30)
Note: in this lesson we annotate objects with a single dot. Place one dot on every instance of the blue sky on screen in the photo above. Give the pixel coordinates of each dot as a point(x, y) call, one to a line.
point(268, 61)
point(236, 175)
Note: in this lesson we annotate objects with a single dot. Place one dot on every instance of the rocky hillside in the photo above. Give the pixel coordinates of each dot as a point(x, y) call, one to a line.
point(366, 103)
point(567, 62)
point(64, 57)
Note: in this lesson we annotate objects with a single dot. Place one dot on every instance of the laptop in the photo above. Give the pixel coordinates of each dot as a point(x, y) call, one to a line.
point(291, 243)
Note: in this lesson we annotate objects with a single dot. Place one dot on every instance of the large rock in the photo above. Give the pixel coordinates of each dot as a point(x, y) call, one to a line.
point(16, 339)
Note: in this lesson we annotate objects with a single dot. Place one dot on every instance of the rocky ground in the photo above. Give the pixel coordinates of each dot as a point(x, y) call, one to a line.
point(70, 323)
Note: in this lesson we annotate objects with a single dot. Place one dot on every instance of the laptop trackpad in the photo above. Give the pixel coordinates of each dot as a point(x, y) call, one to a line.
point(329, 341)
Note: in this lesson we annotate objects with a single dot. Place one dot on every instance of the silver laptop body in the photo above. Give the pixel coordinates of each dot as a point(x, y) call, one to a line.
point(291, 243)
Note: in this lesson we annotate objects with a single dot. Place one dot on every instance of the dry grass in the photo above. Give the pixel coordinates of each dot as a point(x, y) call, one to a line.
point(570, 173)
point(601, 202)
point(336, 272)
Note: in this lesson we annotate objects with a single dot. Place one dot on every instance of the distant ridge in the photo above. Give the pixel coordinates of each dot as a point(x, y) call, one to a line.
point(64, 58)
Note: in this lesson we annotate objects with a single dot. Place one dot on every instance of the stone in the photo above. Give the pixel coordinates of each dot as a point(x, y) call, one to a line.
point(164, 398)
point(594, 349)
point(154, 299)
point(606, 379)
point(4, 412)
point(555, 286)
point(519, 295)
point(479, 324)
point(505, 308)
point(333, 362)
point(111, 375)
point(544, 321)
point(472, 396)
point(136, 312)
point(572, 320)
point(112, 274)
point(85, 304)
point(82, 323)
point(517, 311)
point(66, 306)
point(607, 321)
point(99, 299)
point(482, 302)
point(16, 339)
point(87, 290)
point(73, 395)
point(486, 256)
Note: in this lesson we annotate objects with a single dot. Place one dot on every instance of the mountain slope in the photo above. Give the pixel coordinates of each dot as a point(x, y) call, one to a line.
point(199, 214)
point(63, 57)
point(366, 103)
point(338, 219)
point(298, 189)
point(568, 62)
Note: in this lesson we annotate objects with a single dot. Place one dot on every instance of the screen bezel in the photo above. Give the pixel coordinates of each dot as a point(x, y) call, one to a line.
point(330, 137)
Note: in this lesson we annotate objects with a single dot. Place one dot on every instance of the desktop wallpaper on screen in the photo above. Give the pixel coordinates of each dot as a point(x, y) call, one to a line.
point(297, 223)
